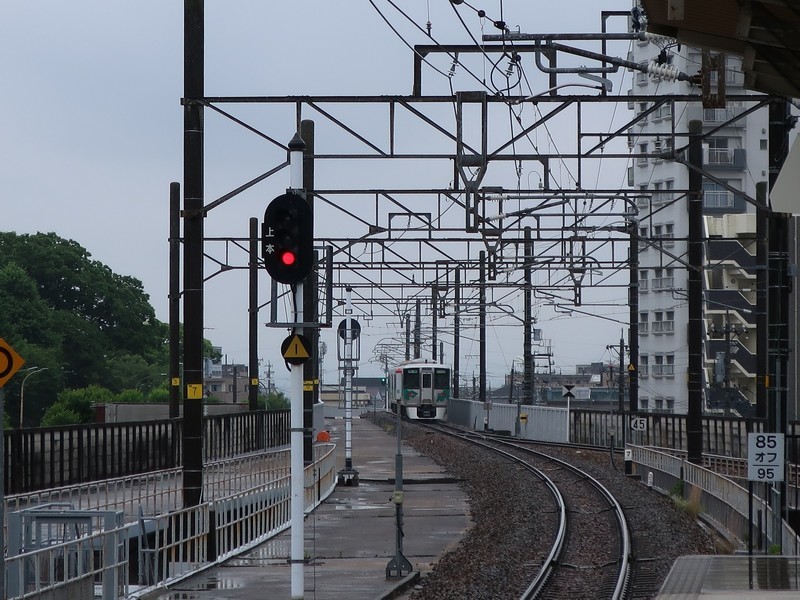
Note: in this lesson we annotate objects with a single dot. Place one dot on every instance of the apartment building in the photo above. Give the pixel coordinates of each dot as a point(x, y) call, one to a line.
point(736, 154)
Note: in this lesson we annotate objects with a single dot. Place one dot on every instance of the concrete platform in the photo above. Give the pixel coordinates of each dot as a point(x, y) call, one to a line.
point(735, 577)
point(350, 538)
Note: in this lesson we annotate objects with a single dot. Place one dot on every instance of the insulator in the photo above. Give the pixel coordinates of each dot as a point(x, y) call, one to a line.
point(654, 38)
point(666, 72)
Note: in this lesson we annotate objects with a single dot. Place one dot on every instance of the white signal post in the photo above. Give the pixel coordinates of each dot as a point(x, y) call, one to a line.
point(348, 386)
point(296, 147)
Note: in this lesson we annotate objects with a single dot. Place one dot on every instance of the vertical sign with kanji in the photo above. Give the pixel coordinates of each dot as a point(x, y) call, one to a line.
point(765, 458)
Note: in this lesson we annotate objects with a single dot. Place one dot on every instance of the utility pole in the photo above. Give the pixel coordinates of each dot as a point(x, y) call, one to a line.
point(252, 318)
point(418, 329)
point(457, 334)
point(310, 298)
point(527, 341)
point(408, 336)
point(694, 375)
point(482, 326)
point(194, 215)
point(434, 316)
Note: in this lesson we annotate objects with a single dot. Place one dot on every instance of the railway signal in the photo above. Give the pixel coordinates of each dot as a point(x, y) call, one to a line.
point(287, 238)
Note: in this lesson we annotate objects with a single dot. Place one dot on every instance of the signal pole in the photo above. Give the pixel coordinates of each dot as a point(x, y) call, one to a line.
point(296, 147)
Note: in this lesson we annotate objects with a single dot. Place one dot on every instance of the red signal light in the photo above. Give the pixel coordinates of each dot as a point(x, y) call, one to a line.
point(288, 258)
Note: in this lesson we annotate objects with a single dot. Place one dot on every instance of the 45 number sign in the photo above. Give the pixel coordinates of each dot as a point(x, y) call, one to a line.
point(765, 458)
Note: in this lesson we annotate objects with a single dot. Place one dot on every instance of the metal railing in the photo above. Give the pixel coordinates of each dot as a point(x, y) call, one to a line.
point(723, 500)
point(49, 457)
point(173, 543)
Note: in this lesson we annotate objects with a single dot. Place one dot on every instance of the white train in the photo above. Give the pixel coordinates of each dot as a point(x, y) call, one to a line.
point(422, 389)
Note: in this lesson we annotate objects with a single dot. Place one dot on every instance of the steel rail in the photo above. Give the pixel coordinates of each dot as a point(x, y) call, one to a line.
point(539, 583)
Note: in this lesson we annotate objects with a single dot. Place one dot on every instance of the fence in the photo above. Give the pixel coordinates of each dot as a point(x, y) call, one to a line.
point(173, 544)
point(723, 500)
point(47, 457)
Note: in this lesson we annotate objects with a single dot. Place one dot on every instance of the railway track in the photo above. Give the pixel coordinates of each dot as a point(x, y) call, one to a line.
point(590, 551)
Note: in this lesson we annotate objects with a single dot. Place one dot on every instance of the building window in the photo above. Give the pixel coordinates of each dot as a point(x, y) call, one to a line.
point(642, 281)
point(644, 370)
point(670, 364)
point(719, 153)
point(641, 78)
point(643, 324)
point(716, 196)
point(664, 322)
point(644, 401)
point(642, 160)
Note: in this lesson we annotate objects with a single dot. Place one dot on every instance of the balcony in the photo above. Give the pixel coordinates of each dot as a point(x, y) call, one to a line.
point(665, 240)
point(718, 199)
point(742, 360)
point(718, 116)
point(730, 399)
point(663, 112)
point(663, 370)
point(663, 283)
point(719, 301)
point(730, 251)
point(660, 327)
point(726, 158)
point(662, 198)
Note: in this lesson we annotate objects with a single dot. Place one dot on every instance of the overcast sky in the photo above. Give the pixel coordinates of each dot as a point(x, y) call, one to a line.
point(92, 130)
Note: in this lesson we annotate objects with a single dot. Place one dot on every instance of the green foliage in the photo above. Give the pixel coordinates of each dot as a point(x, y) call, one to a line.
point(71, 315)
point(774, 549)
point(76, 405)
point(130, 397)
point(159, 395)
point(273, 401)
point(58, 415)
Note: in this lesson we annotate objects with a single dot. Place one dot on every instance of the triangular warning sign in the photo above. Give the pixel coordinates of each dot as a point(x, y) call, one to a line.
point(296, 349)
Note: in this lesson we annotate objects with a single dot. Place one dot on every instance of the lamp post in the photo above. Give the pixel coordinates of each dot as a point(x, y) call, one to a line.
point(31, 371)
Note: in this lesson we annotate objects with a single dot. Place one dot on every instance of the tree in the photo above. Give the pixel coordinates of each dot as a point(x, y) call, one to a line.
point(77, 405)
point(63, 311)
point(273, 401)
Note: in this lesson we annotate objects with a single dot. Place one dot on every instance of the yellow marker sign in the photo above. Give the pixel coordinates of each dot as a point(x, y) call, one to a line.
point(10, 362)
point(631, 367)
point(308, 386)
point(176, 381)
point(194, 391)
point(254, 381)
point(296, 349)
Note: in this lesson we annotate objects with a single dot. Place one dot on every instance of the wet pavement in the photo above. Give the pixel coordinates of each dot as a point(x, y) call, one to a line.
point(351, 538)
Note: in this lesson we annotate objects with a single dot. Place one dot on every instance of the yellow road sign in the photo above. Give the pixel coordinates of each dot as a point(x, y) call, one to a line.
point(10, 362)
point(194, 391)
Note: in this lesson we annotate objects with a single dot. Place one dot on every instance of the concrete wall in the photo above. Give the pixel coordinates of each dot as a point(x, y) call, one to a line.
point(120, 413)
point(540, 423)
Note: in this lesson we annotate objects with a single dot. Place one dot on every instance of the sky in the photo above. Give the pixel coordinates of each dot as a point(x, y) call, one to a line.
point(92, 134)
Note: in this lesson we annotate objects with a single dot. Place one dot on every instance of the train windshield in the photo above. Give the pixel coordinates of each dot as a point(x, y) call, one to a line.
point(426, 380)
point(411, 379)
point(441, 380)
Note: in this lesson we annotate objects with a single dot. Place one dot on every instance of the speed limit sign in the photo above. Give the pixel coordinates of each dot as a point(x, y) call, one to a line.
point(638, 423)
